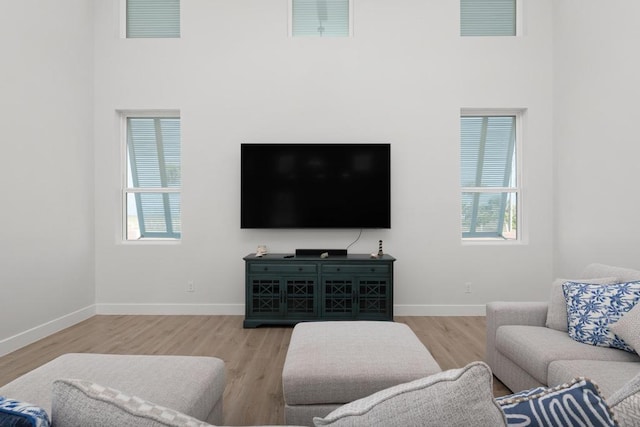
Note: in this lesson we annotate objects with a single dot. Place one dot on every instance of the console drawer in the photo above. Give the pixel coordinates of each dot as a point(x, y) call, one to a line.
point(281, 268)
point(356, 269)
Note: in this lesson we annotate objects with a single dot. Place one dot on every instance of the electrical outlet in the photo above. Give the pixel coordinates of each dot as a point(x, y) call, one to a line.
point(467, 287)
point(191, 286)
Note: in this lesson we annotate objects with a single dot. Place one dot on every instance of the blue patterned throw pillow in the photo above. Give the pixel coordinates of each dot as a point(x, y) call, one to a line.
point(14, 413)
point(577, 403)
point(591, 308)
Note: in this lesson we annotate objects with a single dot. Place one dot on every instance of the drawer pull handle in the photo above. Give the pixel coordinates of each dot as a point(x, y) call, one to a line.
point(299, 268)
point(373, 269)
point(266, 269)
point(337, 269)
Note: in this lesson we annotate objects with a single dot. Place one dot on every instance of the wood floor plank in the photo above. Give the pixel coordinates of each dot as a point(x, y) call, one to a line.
point(254, 358)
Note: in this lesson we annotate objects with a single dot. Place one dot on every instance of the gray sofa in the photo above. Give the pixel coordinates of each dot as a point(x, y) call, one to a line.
point(528, 346)
point(93, 390)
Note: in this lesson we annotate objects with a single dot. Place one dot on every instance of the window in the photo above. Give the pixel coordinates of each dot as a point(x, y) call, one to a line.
point(153, 18)
point(488, 17)
point(488, 175)
point(320, 18)
point(153, 177)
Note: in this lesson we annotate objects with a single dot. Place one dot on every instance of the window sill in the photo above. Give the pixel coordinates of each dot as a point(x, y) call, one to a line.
point(491, 242)
point(151, 241)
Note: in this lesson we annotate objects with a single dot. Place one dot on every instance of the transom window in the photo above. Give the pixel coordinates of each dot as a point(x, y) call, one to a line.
point(320, 18)
point(490, 189)
point(153, 177)
point(488, 17)
point(152, 18)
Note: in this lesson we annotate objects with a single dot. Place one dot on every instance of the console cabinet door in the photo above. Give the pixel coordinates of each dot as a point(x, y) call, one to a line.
point(301, 300)
point(281, 291)
point(374, 297)
point(359, 291)
point(264, 297)
point(282, 297)
point(338, 297)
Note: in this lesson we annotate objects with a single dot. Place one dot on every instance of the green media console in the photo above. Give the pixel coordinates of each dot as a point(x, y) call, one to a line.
point(282, 289)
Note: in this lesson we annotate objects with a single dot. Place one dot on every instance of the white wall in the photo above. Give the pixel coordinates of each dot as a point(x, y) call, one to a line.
point(596, 134)
point(46, 211)
point(237, 77)
point(403, 77)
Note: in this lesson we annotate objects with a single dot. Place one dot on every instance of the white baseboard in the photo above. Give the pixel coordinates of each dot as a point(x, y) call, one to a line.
point(238, 309)
point(171, 309)
point(32, 335)
point(439, 310)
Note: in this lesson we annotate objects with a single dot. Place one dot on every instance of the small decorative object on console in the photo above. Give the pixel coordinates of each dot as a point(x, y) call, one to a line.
point(262, 250)
point(380, 253)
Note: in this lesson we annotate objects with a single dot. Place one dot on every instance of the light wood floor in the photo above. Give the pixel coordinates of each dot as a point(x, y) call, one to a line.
point(254, 357)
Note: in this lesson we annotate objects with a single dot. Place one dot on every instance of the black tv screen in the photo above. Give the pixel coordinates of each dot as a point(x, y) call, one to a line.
point(315, 185)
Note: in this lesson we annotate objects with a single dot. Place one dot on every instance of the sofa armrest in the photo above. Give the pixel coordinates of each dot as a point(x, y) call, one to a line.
point(516, 313)
point(501, 313)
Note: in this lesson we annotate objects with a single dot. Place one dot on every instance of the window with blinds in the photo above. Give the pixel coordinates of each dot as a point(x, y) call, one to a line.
point(153, 18)
point(153, 186)
point(320, 18)
point(488, 17)
point(489, 182)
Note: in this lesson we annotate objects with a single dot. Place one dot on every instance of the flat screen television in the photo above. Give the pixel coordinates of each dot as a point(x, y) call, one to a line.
point(310, 185)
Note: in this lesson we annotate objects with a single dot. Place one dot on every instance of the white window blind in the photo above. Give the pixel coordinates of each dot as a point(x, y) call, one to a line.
point(320, 18)
point(152, 196)
point(488, 17)
point(153, 18)
point(488, 177)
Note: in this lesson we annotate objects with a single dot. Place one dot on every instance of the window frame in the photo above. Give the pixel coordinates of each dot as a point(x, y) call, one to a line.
point(290, 23)
point(125, 190)
point(519, 114)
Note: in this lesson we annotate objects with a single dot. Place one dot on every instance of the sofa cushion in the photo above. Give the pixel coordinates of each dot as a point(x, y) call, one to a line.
point(557, 311)
point(627, 327)
point(610, 376)
point(466, 394)
point(575, 403)
point(533, 348)
point(16, 413)
point(625, 403)
point(79, 403)
point(591, 308)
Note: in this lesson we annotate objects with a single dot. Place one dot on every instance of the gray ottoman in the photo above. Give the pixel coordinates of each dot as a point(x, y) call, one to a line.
point(329, 364)
point(192, 385)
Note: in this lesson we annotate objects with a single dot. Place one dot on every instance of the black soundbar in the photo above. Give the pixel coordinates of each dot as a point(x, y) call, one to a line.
point(318, 252)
